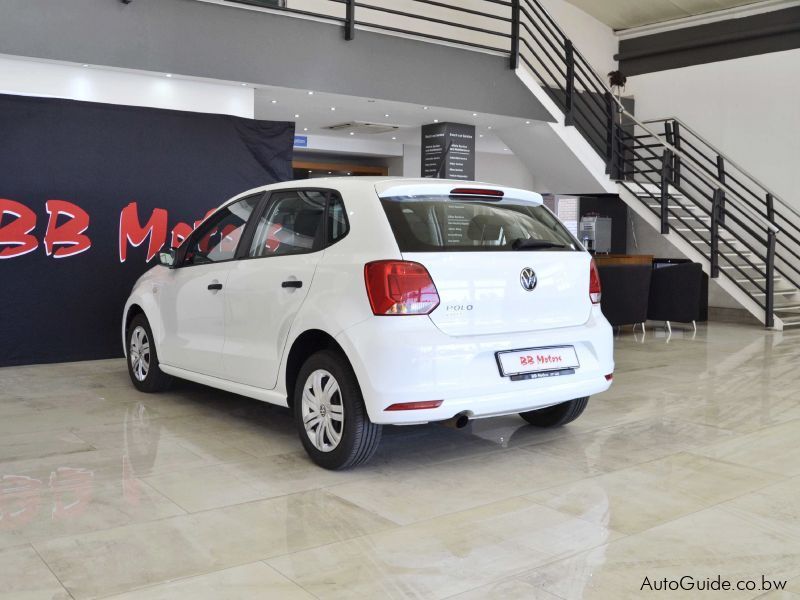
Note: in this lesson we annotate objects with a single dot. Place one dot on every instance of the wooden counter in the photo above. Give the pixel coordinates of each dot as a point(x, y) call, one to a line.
point(623, 259)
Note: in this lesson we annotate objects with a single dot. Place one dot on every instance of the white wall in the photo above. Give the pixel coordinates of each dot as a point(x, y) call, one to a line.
point(748, 108)
point(596, 41)
point(28, 77)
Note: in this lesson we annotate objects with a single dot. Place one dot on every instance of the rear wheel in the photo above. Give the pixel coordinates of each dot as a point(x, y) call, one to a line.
point(143, 358)
point(331, 417)
point(558, 415)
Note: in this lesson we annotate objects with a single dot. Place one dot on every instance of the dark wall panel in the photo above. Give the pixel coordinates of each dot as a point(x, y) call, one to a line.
point(80, 183)
point(724, 40)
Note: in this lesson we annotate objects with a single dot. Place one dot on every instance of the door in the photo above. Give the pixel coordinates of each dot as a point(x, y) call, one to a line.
point(267, 287)
point(192, 301)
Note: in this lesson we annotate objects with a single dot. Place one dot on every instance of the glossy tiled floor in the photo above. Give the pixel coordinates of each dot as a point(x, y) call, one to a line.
point(689, 466)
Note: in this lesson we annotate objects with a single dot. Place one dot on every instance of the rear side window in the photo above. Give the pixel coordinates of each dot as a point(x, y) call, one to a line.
point(444, 224)
point(291, 225)
point(337, 219)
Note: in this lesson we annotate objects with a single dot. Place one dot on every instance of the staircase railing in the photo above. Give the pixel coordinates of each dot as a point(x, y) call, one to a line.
point(708, 208)
point(698, 193)
point(743, 188)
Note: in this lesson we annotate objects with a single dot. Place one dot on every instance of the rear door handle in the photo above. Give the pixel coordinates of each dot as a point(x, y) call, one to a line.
point(292, 283)
point(215, 286)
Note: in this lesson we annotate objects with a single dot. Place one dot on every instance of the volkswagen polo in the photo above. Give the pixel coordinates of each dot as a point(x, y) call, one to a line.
point(364, 302)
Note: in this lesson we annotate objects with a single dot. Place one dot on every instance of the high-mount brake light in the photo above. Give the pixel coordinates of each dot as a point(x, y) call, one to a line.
point(594, 283)
point(400, 287)
point(484, 193)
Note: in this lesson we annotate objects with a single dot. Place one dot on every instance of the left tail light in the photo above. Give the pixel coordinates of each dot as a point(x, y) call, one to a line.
point(399, 287)
point(595, 292)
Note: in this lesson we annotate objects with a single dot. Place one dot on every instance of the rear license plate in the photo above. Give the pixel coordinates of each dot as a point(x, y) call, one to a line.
point(538, 361)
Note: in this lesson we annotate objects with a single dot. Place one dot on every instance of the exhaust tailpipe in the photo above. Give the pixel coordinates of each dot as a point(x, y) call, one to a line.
point(457, 422)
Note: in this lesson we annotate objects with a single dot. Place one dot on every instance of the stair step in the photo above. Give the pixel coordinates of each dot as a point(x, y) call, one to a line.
point(764, 279)
point(696, 218)
point(758, 266)
point(690, 208)
point(794, 322)
point(791, 307)
point(786, 292)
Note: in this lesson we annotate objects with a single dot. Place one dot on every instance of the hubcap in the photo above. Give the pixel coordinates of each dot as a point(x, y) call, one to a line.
point(139, 353)
point(322, 410)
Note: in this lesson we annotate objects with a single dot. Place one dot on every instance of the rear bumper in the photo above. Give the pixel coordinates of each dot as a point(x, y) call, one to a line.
point(408, 359)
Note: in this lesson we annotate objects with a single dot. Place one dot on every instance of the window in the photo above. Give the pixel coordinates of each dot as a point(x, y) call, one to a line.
point(442, 224)
point(217, 239)
point(291, 225)
point(337, 219)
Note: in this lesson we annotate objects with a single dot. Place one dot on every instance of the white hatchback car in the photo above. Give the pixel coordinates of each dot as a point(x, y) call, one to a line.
point(363, 302)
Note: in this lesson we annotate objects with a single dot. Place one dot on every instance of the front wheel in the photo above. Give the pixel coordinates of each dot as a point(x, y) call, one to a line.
point(558, 415)
point(331, 417)
point(143, 358)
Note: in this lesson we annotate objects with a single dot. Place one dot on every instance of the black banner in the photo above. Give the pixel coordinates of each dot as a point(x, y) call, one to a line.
point(448, 151)
point(90, 192)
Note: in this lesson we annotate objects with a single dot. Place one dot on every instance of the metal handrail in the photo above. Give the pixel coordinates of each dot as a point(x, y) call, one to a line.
point(729, 161)
point(664, 144)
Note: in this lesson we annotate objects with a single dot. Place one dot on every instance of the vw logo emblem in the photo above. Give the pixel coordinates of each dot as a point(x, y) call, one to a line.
point(528, 279)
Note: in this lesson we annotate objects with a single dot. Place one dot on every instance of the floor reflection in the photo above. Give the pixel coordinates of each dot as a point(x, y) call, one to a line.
point(188, 491)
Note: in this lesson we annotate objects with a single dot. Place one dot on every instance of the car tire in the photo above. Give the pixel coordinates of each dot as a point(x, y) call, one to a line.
point(558, 415)
point(142, 358)
point(329, 410)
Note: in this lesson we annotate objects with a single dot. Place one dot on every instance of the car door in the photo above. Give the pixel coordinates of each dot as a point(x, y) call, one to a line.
point(192, 299)
point(267, 287)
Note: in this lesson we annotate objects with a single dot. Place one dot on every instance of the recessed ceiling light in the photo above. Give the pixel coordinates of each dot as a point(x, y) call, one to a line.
point(481, 135)
point(243, 84)
point(424, 108)
point(394, 138)
point(352, 133)
point(309, 171)
point(333, 108)
point(274, 101)
point(85, 65)
point(436, 120)
point(305, 128)
point(349, 173)
point(527, 122)
point(169, 74)
point(474, 114)
point(505, 149)
point(386, 115)
point(489, 127)
point(310, 93)
point(330, 172)
point(297, 116)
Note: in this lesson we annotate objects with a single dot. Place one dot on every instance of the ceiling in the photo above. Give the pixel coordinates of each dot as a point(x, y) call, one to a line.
point(624, 14)
point(314, 111)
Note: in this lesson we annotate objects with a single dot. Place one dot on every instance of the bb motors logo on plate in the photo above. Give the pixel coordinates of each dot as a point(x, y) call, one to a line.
point(527, 279)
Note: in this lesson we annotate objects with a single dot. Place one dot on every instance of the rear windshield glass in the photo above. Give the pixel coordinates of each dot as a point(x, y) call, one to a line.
point(445, 224)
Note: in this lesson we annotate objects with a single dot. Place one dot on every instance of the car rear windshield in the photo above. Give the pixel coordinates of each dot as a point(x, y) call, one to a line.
point(446, 224)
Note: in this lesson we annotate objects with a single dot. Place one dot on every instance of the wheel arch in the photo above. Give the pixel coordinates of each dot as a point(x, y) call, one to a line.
point(304, 345)
point(130, 314)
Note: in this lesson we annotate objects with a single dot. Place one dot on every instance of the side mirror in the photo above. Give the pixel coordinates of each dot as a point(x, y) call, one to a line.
point(167, 258)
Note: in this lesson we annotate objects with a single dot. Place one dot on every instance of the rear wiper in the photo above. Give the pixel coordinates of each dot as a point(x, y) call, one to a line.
point(532, 244)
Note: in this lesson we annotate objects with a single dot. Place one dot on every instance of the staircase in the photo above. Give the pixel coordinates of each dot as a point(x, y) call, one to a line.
point(709, 208)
